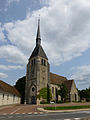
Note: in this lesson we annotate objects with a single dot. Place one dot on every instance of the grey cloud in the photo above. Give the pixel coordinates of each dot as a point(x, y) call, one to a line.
point(3, 75)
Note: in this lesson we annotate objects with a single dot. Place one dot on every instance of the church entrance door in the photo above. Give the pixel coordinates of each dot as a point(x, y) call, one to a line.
point(33, 100)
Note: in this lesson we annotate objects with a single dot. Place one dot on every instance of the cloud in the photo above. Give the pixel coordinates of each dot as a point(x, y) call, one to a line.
point(10, 67)
point(2, 36)
point(3, 75)
point(12, 54)
point(65, 31)
point(82, 76)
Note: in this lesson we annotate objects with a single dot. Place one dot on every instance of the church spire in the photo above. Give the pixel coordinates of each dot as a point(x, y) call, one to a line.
point(38, 38)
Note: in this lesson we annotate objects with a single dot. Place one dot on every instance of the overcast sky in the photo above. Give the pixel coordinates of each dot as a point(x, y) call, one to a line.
point(65, 34)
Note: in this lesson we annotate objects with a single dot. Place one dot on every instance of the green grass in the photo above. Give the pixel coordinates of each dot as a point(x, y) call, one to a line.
point(67, 107)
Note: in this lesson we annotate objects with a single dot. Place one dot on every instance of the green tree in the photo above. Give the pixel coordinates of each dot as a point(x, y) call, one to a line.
point(63, 92)
point(20, 86)
point(45, 93)
point(85, 93)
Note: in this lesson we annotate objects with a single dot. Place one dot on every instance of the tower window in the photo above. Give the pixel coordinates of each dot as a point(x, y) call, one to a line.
point(33, 62)
point(42, 61)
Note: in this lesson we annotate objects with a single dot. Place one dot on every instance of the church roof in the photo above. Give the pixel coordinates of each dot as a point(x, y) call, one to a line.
point(38, 51)
point(8, 88)
point(57, 79)
point(68, 84)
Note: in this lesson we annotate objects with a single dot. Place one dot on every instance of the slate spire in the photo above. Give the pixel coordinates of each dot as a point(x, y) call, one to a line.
point(38, 37)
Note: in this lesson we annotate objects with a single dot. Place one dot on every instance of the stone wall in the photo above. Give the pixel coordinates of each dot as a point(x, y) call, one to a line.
point(53, 88)
point(74, 93)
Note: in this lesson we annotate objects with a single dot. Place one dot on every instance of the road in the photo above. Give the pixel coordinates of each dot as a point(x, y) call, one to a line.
point(80, 115)
point(30, 112)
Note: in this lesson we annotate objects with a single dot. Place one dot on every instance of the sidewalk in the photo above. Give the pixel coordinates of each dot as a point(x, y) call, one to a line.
point(8, 106)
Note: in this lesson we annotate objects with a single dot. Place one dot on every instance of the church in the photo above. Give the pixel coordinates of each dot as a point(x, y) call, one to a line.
point(38, 76)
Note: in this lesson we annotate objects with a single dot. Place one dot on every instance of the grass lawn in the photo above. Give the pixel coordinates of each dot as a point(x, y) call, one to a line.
point(67, 107)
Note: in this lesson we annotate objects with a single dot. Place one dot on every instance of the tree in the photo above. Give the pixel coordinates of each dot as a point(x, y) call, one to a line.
point(63, 92)
point(85, 93)
point(45, 93)
point(20, 86)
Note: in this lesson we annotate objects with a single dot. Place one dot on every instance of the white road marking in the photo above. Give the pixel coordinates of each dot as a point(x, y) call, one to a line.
point(23, 113)
point(35, 113)
point(30, 113)
point(41, 112)
point(67, 119)
point(15, 110)
point(4, 114)
point(77, 118)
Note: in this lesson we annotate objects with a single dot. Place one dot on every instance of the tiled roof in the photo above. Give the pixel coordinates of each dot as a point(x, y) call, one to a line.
point(57, 79)
point(8, 88)
point(68, 84)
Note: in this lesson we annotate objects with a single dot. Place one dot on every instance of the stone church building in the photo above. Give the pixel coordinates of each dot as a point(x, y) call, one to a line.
point(38, 76)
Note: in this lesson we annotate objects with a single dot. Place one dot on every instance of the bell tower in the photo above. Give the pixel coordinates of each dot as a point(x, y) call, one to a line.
point(37, 75)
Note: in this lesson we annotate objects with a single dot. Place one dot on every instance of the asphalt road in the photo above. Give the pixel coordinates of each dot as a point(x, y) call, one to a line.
point(80, 115)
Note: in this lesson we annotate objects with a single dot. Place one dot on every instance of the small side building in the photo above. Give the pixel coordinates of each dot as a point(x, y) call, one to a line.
point(8, 94)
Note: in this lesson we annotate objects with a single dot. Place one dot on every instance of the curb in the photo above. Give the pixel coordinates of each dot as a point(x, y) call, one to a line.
point(49, 111)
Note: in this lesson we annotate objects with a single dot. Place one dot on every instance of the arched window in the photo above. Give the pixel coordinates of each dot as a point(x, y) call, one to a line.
point(33, 89)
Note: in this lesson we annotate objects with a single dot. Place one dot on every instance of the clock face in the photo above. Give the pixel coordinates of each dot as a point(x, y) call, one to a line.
point(43, 70)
